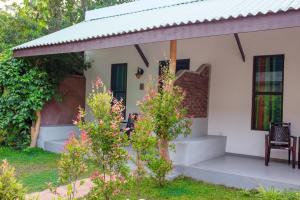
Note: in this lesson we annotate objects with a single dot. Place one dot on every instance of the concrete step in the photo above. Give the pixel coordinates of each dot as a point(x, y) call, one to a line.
point(195, 150)
point(56, 146)
point(173, 174)
point(51, 133)
point(244, 172)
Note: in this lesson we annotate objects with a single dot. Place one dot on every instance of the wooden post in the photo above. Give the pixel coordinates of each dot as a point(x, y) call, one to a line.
point(173, 52)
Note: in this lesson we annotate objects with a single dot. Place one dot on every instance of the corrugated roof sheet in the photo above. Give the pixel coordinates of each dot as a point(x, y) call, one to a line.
point(150, 14)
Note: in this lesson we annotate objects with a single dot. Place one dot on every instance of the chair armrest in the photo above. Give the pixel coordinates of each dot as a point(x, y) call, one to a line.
point(294, 138)
point(267, 136)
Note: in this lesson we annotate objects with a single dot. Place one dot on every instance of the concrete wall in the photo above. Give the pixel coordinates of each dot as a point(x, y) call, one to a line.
point(64, 111)
point(230, 95)
point(155, 52)
point(231, 89)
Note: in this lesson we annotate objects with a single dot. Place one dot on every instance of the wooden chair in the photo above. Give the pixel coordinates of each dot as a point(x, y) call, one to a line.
point(132, 117)
point(280, 137)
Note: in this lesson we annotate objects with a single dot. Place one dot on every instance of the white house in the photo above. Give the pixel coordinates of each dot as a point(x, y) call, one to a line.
point(240, 61)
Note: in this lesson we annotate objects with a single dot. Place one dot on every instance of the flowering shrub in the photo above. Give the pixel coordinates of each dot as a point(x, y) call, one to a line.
point(107, 142)
point(168, 116)
point(144, 144)
point(10, 189)
point(72, 163)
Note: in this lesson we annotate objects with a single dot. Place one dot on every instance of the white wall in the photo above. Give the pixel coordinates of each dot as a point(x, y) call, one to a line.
point(231, 90)
point(101, 66)
point(231, 79)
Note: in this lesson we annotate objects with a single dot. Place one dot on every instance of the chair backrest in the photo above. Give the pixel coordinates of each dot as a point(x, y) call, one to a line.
point(132, 117)
point(280, 132)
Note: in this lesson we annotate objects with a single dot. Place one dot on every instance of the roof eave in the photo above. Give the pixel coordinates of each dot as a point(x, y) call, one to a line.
point(239, 25)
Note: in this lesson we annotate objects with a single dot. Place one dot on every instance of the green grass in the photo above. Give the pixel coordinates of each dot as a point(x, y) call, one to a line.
point(185, 189)
point(35, 168)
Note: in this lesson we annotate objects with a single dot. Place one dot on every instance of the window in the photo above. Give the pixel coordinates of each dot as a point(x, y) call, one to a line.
point(267, 102)
point(119, 81)
point(183, 64)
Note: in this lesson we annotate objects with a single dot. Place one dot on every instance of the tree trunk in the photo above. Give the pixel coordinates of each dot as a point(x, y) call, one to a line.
point(35, 129)
point(164, 149)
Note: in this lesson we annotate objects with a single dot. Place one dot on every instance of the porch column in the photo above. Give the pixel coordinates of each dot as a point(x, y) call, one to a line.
point(173, 52)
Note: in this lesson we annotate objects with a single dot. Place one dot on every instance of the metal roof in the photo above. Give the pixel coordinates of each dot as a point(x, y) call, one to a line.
point(143, 15)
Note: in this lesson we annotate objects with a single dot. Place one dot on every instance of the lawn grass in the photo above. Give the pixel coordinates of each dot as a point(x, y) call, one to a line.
point(35, 168)
point(184, 188)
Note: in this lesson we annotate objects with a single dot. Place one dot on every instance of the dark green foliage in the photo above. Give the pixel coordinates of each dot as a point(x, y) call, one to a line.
point(25, 89)
point(59, 66)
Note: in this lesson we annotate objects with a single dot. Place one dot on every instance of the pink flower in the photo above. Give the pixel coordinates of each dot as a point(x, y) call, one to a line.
point(98, 83)
point(79, 116)
point(70, 140)
point(113, 125)
point(95, 175)
point(84, 136)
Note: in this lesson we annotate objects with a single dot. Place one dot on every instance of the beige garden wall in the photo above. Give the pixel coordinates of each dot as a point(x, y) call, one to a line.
point(231, 80)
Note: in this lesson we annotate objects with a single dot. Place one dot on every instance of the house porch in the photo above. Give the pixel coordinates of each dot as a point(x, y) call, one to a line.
point(244, 172)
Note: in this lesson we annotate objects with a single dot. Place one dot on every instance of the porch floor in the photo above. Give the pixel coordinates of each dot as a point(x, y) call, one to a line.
point(244, 172)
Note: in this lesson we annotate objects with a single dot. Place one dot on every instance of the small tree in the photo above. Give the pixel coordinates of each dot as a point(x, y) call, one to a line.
point(165, 107)
point(107, 142)
point(144, 144)
point(10, 189)
point(72, 163)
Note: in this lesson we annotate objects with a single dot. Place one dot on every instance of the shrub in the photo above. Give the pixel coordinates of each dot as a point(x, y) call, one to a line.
point(165, 108)
point(107, 142)
point(160, 167)
point(10, 189)
point(72, 163)
point(144, 144)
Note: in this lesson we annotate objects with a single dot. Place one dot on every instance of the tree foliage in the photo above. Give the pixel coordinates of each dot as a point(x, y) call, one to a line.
point(35, 18)
point(27, 83)
point(24, 90)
